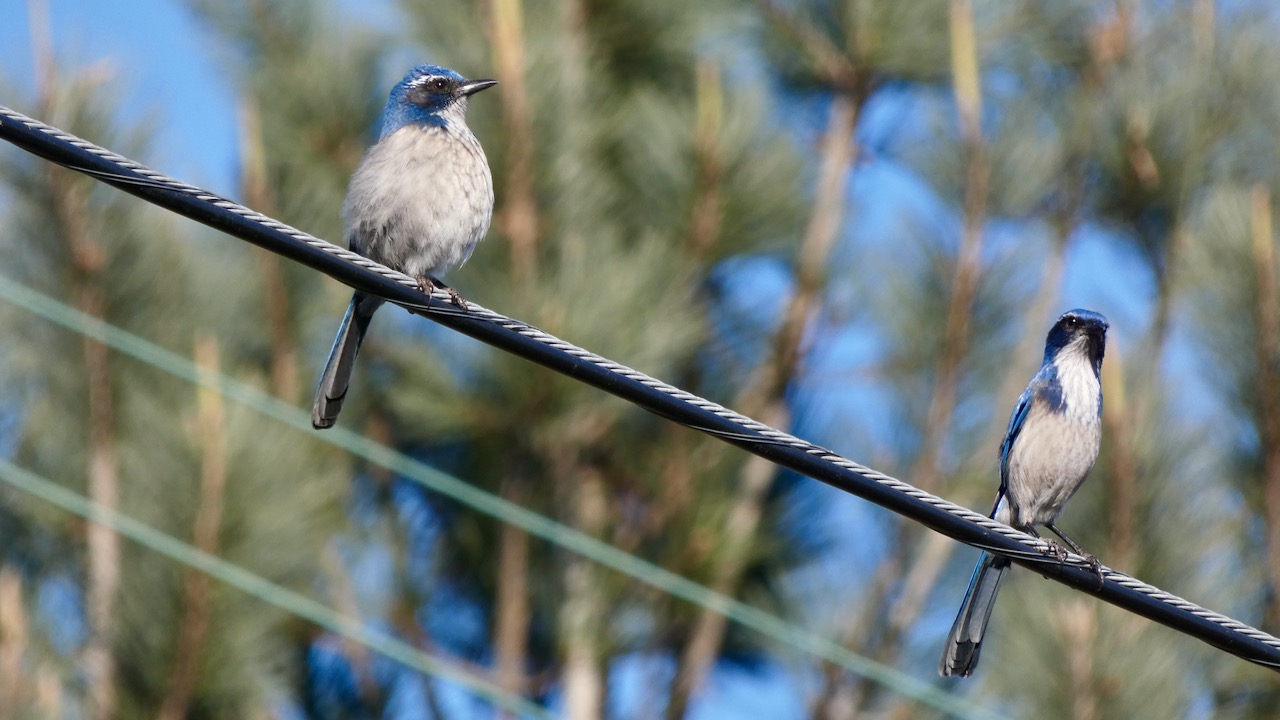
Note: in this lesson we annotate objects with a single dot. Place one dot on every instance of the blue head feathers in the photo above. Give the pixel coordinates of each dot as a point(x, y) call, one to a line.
point(429, 95)
point(1079, 327)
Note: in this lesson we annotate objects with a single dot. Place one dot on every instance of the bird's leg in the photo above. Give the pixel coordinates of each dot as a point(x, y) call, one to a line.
point(429, 285)
point(1072, 543)
point(454, 297)
point(1055, 549)
point(1094, 564)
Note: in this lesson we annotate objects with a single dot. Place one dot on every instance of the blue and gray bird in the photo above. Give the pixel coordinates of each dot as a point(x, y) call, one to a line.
point(1048, 450)
point(419, 202)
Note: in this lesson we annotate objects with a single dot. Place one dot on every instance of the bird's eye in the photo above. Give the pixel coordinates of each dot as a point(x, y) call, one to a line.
point(439, 84)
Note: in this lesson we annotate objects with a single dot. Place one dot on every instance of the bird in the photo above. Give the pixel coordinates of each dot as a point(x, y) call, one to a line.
point(1049, 448)
point(419, 202)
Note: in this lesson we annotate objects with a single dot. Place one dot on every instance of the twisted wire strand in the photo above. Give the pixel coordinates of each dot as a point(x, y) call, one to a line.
point(1018, 546)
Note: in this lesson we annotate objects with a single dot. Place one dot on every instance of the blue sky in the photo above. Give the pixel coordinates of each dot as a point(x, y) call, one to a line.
point(164, 67)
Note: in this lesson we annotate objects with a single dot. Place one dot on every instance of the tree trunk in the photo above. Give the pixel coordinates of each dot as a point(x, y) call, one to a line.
point(766, 398)
point(1076, 621)
point(13, 645)
point(519, 216)
point(582, 616)
point(900, 609)
point(707, 216)
point(69, 197)
point(102, 542)
point(276, 304)
point(197, 596)
point(511, 624)
point(925, 473)
point(1267, 356)
point(1122, 467)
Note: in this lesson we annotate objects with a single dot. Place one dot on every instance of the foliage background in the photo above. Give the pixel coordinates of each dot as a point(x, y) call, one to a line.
point(854, 220)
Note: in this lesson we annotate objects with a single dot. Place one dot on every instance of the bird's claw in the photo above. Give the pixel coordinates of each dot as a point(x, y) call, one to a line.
point(429, 285)
point(456, 299)
point(1059, 553)
point(1096, 566)
point(1056, 551)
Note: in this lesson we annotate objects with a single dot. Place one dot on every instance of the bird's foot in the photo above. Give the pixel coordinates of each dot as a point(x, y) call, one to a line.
point(1056, 551)
point(429, 285)
point(456, 299)
point(1059, 553)
point(1096, 566)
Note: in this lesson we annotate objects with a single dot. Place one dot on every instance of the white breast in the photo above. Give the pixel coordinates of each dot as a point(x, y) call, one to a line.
point(1080, 389)
point(420, 200)
point(1055, 451)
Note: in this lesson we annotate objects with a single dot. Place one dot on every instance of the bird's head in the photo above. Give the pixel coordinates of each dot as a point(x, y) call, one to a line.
point(430, 95)
point(1082, 332)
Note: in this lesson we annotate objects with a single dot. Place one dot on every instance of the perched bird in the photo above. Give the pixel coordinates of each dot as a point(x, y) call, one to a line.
point(1048, 450)
point(419, 202)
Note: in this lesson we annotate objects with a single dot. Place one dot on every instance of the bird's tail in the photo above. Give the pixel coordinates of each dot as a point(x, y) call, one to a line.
point(342, 358)
point(960, 654)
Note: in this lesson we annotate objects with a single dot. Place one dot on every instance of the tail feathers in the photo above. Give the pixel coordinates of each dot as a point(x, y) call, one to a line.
point(342, 359)
point(960, 654)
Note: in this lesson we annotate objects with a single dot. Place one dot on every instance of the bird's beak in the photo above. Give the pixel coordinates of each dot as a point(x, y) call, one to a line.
point(475, 86)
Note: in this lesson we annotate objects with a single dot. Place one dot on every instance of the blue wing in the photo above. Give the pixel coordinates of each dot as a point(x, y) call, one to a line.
point(1043, 386)
point(1016, 421)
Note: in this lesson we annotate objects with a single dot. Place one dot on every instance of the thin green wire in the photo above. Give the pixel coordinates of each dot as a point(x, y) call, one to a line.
point(263, 589)
point(535, 524)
